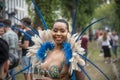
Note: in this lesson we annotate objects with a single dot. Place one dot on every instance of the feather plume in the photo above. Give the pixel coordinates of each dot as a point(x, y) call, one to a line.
point(45, 42)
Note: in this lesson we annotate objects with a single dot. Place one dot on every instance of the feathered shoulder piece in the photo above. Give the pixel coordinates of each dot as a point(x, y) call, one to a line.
point(44, 42)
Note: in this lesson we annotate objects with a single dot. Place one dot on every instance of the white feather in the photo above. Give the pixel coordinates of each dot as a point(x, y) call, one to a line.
point(46, 35)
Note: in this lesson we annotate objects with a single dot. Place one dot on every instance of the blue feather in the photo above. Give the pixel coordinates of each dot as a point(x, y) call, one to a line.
point(68, 51)
point(42, 50)
point(40, 15)
point(49, 46)
point(35, 32)
point(73, 75)
point(87, 28)
point(27, 67)
point(95, 66)
point(74, 23)
point(29, 36)
point(82, 69)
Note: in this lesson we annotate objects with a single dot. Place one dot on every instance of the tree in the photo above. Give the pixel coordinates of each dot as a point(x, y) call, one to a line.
point(109, 11)
point(84, 8)
point(66, 9)
point(47, 8)
point(117, 11)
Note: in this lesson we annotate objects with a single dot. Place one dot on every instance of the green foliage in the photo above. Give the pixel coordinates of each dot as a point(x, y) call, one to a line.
point(84, 8)
point(87, 10)
point(65, 9)
point(108, 11)
point(30, 10)
point(47, 8)
point(117, 11)
point(105, 11)
point(46, 12)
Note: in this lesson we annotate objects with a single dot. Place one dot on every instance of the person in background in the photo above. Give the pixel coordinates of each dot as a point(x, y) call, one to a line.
point(12, 39)
point(38, 29)
point(1, 29)
point(109, 33)
point(4, 59)
point(106, 47)
point(115, 43)
point(84, 43)
point(25, 43)
point(90, 35)
point(99, 44)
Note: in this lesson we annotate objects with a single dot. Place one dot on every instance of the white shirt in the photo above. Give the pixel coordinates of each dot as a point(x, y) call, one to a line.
point(106, 42)
point(115, 40)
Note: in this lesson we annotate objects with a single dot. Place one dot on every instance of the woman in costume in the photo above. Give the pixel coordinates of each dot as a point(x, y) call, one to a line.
point(56, 54)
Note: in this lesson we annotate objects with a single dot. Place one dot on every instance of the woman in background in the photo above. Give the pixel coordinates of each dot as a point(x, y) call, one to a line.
point(106, 47)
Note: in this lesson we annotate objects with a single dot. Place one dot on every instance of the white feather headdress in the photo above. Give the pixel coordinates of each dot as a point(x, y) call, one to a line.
point(46, 35)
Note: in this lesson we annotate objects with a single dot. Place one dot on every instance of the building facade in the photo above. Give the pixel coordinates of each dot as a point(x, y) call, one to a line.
point(17, 8)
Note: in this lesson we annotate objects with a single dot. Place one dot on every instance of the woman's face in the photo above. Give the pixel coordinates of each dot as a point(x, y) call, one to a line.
point(59, 32)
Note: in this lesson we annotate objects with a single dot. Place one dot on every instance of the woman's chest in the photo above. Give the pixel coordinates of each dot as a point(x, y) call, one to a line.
point(55, 64)
point(54, 58)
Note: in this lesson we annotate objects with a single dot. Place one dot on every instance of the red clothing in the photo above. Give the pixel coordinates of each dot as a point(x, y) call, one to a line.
point(84, 42)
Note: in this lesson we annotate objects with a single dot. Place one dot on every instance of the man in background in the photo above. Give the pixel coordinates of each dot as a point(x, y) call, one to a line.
point(12, 39)
point(25, 43)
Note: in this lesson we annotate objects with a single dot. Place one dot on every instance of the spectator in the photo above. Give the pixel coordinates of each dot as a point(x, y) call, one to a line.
point(109, 36)
point(12, 40)
point(1, 19)
point(1, 29)
point(115, 40)
point(84, 43)
point(99, 43)
point(90, 35)
point(106, 47)
point(4, 59)
point(38, 29)
point(25, 43)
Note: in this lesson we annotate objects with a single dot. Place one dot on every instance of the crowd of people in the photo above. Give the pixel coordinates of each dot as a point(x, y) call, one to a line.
point(54, 66)
point(9, 44)
point(108, 42)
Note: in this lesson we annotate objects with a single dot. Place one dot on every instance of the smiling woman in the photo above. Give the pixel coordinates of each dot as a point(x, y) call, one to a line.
point(57, 56)
point(60, 31)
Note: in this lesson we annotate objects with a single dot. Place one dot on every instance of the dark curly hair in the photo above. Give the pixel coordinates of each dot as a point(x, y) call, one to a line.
point(63, 21)
point(26, 21)
point(7, 23)
point(4, 51)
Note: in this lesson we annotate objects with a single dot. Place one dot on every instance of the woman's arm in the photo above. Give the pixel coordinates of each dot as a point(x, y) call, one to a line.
point(79, 75)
